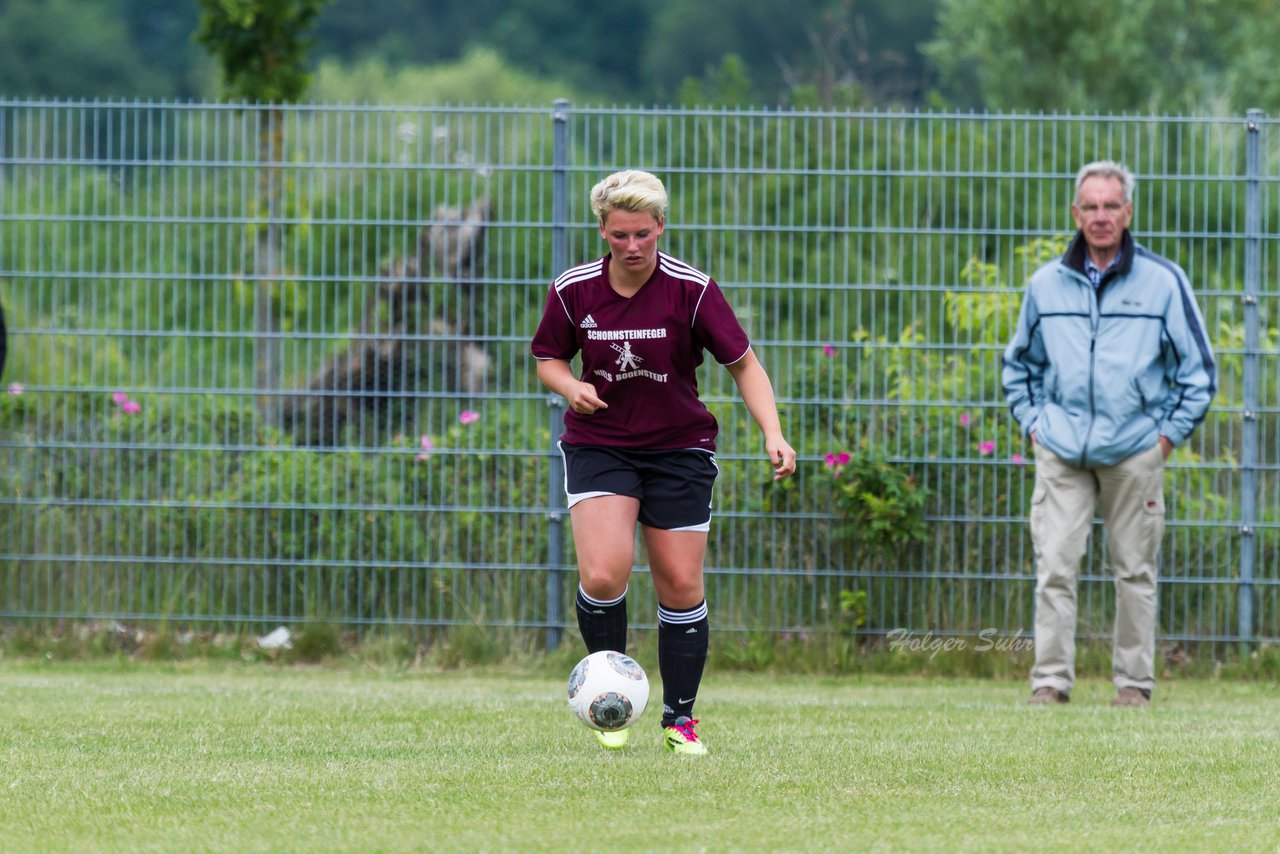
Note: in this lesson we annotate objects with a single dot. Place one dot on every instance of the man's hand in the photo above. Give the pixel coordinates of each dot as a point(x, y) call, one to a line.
point(1166, 447)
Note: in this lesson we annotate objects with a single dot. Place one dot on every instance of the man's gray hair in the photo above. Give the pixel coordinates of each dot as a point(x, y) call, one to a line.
point(1107, 169)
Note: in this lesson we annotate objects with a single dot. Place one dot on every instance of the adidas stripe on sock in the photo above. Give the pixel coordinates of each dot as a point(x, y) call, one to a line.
point(602, 623)
point(682, 654)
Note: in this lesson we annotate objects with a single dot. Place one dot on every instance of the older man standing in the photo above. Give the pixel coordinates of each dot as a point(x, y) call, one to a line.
point(1109, 369)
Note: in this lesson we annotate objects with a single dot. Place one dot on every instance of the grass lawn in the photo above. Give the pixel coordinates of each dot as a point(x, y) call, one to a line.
point(205, 757)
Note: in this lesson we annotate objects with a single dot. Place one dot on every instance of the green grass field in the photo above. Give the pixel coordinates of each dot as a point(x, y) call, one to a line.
point(108, 756)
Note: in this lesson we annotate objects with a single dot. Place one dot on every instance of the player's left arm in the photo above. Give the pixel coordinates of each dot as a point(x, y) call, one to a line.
point(757, 393)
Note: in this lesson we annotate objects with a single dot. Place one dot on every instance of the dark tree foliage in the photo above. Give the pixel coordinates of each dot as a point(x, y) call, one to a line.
point(71, 48)
point(649, 52)
point(1067, 56)
point(791, 51)
point(261, 45)
point(792, 44)
point(404, 32)
point(1107, 55)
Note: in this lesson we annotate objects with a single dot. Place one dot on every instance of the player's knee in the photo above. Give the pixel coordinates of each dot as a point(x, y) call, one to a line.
point(602, 582)
point(681, 596)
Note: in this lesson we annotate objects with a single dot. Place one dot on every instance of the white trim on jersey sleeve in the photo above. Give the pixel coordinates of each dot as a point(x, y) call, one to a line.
point(567, 315)
point(678, 269)
point(696, 306)
point(675, 267)
point(739, 359)
point(573, 275)
point(580, 272)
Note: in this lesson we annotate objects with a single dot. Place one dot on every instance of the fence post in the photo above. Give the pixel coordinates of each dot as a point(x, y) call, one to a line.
point(559, 261)
point(555, 529)
point(1249, 423)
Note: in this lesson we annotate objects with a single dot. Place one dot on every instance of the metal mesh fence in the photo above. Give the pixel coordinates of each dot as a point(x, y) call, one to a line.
point(271, 364)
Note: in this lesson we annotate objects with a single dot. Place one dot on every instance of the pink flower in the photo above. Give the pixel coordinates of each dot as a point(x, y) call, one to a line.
point(131, 407)
point(16, 388)
point(468, 416)
point(119, 398)
point(964, 419)
point(828, 350)
point(987, 448)
point(837, 462)
point(1018, 460)
point(426, 448)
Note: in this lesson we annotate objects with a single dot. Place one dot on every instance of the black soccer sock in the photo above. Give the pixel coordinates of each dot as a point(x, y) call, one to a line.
point(682, 653)
point(603, 624)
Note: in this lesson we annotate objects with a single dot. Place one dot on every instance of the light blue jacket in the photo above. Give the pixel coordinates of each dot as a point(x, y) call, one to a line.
point(1101, 374)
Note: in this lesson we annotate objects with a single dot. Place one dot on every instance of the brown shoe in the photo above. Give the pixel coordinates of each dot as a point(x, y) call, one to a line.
point(1048, 695)
point(1134, 697)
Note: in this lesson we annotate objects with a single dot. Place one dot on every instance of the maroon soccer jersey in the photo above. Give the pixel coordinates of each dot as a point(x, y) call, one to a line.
point(641, 353)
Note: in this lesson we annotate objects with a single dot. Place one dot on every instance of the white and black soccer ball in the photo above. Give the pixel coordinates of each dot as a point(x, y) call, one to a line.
point(608, 691)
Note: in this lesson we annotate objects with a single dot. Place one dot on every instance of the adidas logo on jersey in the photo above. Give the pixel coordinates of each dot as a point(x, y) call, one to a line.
point(588, 322)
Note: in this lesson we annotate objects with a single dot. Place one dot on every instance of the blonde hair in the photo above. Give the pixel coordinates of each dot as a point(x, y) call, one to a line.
point(631, 190)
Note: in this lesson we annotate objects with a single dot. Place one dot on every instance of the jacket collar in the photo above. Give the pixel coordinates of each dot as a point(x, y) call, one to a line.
point(1076, 254)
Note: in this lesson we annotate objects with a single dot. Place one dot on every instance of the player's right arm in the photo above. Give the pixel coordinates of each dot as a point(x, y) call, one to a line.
point(557, 375)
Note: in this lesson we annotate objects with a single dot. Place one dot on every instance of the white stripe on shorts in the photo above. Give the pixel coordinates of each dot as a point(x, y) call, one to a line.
point(705, 527)
point(574, 497)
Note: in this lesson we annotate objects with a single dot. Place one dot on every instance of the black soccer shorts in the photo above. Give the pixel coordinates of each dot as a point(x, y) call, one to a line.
point(674, 487)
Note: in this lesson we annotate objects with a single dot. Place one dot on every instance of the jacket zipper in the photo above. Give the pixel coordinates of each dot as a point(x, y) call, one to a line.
point(1094, 319)
point(1093, 407)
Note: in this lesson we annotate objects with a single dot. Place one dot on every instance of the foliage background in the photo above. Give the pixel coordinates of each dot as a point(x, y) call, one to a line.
point(876, 259)
point(181, 276)
point(1072, 56)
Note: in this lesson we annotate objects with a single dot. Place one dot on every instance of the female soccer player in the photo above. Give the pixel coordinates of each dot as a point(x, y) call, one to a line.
point(639, 445)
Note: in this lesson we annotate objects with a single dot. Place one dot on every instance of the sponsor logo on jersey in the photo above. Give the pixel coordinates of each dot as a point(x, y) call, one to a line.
point(629, 361)
point(625, 334)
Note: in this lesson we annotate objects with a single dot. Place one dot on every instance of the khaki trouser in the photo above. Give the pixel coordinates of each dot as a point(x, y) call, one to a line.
point(1062, 506)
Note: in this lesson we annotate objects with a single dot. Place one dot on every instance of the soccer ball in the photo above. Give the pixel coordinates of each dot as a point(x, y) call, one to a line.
point(608, 691)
